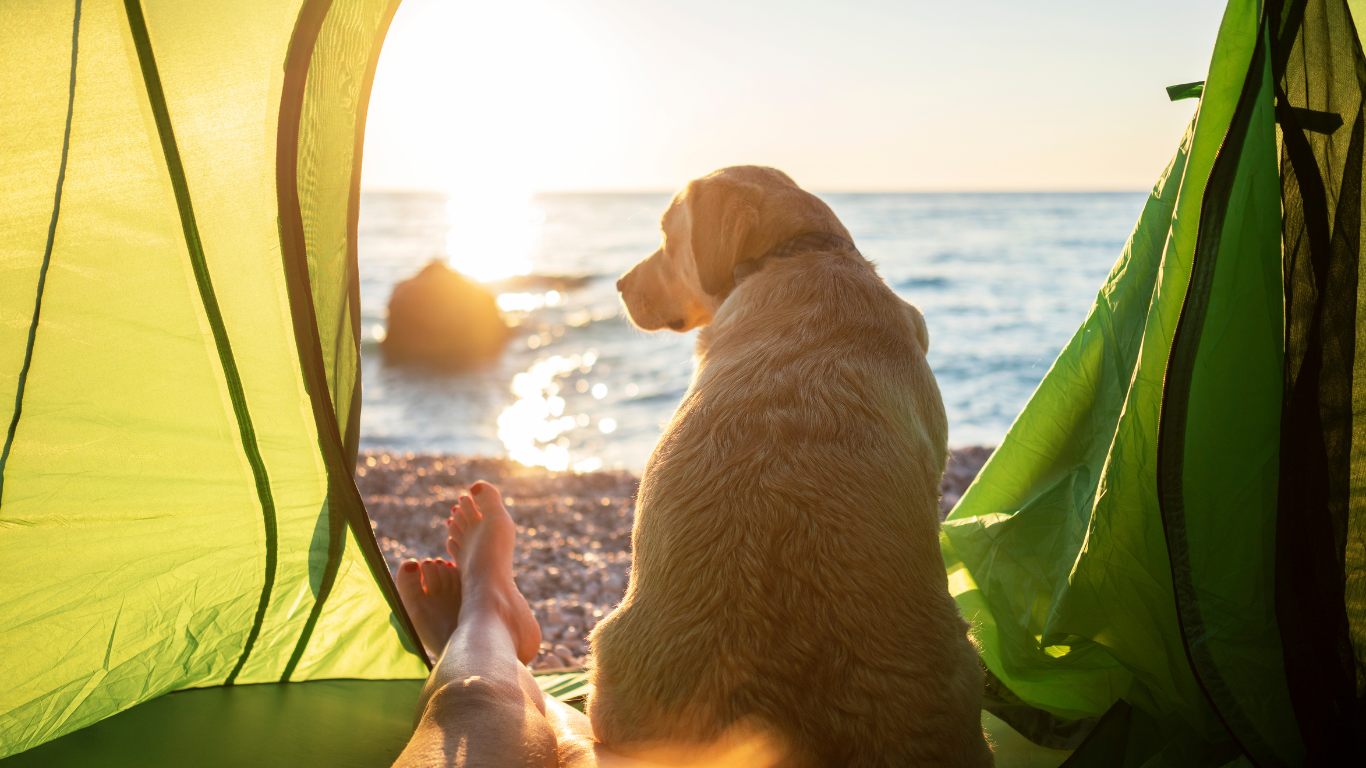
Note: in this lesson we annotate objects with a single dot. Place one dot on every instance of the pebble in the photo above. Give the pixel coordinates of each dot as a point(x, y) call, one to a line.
point(573, 556)
point(566, 655)
point(962, 469)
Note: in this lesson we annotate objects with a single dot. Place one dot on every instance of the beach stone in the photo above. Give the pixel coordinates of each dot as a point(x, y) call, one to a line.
point(443, 319)
point(549, 661)
point(567, 656)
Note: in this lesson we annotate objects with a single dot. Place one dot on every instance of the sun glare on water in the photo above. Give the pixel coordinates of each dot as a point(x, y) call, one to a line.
point(527, 302)
point(532, 429)
point(493, 236)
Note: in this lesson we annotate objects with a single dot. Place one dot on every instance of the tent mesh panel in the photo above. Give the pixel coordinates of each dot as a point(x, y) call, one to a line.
point(1320, 74)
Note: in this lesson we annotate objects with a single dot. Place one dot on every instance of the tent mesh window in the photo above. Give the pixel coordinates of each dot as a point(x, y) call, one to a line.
point(1320, 76)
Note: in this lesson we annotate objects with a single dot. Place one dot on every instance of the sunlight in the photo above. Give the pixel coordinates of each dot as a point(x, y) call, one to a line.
point(492, 233)
point(488, 102)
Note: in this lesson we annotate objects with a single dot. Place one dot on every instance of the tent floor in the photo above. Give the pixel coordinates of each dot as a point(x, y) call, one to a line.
point(341, 723)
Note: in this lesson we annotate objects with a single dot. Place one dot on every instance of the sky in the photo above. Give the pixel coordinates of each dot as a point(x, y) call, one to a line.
point(502, 99)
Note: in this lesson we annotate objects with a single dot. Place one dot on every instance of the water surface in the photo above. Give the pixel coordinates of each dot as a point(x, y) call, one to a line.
point(1003, 279)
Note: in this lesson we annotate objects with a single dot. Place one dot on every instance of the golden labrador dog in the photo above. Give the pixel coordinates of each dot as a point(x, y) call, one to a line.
point(787, 583)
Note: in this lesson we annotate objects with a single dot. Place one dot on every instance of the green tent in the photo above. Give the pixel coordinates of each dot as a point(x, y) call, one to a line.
point(179, 337)
point(1168, 550)
point(1164, 559)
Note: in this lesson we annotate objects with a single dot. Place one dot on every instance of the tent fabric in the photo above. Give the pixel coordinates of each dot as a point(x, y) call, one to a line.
point(180, 344)
point(1321, 528)
point(1217, 446)
point(1053, 546)
point(335, 723)
point(1162, 545)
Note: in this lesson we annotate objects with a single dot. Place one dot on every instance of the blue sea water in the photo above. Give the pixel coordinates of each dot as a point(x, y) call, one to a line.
point(1003, 279)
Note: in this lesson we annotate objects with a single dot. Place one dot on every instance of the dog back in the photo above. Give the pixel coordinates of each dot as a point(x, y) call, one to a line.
point(786, 572)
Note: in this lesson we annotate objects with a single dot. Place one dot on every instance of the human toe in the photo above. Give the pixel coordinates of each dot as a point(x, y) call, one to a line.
point(469, 512)
point(432, 571)
point(443, 577)
point(485, 493)
point(452, 538)
point(409, 582)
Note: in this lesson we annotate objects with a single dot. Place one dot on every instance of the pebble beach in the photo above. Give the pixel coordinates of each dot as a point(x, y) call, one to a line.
point(573, 554)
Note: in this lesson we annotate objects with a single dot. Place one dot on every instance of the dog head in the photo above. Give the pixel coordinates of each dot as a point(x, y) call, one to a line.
point(715, 223)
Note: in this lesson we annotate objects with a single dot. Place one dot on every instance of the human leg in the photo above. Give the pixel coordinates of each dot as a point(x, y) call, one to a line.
point(480, 706)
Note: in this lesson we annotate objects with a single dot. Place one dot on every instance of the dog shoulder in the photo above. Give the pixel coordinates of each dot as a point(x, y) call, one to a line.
point(918, 327)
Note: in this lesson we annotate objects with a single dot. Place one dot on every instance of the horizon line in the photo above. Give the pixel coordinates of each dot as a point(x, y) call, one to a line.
point(843, 191)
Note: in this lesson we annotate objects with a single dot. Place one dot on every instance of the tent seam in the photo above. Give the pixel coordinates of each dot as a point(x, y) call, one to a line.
point(1172, 414)
point(47, 253)
point(361, 525)
point(246, 431)
point(307, 25)
point(344, 500)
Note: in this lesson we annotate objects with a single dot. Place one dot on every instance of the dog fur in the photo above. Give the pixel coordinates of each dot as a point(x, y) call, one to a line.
point(786, 576)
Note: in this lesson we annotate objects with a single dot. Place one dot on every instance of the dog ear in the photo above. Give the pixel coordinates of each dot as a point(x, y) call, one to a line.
point(723, 214)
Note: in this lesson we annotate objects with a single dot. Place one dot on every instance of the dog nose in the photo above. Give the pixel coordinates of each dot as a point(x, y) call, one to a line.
point(621, 284)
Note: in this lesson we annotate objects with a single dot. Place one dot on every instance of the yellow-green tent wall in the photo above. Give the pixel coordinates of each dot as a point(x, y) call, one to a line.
point(179, 340)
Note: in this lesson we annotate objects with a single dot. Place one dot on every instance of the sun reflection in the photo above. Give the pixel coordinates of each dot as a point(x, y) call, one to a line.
point(492, 232)
point(589, 465)
point(527, 302)
point(532, 428)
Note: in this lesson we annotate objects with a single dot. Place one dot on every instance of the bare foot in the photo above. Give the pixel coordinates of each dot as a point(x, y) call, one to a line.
point(431, 593)
point(482, 537)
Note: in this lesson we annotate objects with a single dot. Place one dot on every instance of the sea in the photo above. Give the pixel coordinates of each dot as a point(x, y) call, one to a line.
point(1003, 279)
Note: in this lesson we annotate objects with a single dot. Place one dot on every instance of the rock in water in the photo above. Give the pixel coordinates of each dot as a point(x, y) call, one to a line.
point(441, 318)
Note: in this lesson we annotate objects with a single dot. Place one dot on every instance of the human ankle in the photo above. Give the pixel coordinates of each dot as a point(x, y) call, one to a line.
point(485, 597)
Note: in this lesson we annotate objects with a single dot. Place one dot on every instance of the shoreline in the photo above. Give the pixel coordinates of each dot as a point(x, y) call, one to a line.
point(573, 555)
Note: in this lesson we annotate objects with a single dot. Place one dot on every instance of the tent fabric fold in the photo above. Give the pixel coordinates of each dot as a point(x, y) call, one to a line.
point(1161, 548)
